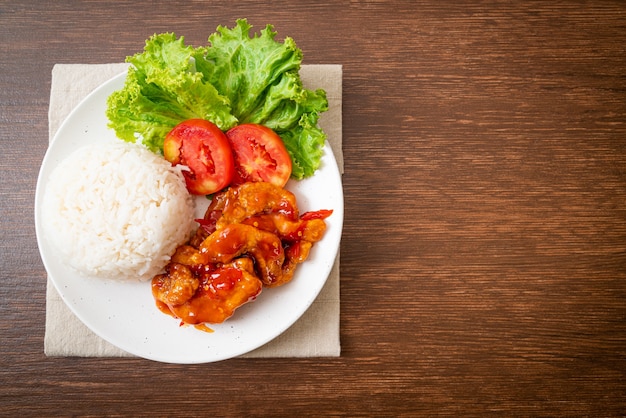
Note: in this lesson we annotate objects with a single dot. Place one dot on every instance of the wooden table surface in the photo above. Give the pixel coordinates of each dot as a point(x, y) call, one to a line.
point(484, 249)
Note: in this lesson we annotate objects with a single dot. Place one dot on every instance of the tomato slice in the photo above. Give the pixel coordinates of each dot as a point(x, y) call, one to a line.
point(260, 155)
point(204, 149)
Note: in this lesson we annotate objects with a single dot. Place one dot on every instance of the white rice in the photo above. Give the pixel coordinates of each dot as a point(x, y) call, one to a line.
point(117, 210)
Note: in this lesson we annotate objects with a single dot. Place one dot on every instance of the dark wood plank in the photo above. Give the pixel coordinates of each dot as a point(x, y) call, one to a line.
point(484, 250)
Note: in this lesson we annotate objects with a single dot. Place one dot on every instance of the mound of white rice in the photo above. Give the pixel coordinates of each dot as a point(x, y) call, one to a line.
point(117, 210)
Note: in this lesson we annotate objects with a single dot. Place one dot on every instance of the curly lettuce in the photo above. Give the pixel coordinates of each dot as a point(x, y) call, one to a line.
point(237, 78)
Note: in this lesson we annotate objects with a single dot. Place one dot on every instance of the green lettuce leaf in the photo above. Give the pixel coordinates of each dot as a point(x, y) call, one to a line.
point(162, 89)
point(260, 77)
point(237, 78)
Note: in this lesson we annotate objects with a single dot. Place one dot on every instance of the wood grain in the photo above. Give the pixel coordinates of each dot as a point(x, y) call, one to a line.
point(484, 249)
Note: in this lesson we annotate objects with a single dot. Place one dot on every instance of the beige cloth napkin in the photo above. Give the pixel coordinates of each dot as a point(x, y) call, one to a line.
point(315, 334)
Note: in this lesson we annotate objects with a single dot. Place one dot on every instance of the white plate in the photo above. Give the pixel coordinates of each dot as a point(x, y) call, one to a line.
point(125, 314)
